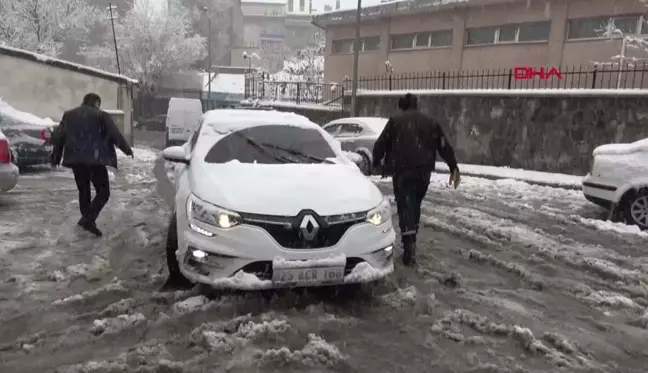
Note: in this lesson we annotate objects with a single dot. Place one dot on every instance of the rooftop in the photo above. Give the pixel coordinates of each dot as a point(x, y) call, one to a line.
point(397, 8)
point(66, 65)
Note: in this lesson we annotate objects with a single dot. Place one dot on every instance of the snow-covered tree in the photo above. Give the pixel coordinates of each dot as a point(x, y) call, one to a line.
point(43, 26)
point(221, 25)
point(304, 65)
point(152, 45)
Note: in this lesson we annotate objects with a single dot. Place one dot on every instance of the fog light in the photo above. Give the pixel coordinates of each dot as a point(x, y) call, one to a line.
point(199, 254)
point(388, 249)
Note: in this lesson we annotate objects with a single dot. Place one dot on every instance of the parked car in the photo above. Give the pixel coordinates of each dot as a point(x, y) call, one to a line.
point(618, 181)
point(28, 134)
point(8, 170)
point(267, 199)
point(357, 135)
point(156, 123)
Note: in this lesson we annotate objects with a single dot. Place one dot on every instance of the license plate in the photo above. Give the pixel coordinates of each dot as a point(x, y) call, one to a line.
point(177, 130)
point(308, 276)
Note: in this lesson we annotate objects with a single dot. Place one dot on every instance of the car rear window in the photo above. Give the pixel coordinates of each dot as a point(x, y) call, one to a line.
point(260, 145)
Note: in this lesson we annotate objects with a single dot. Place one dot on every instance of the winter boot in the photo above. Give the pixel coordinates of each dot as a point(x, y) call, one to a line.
point(409, 250)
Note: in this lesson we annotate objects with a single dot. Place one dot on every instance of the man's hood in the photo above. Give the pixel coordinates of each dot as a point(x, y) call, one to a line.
point(285, 190)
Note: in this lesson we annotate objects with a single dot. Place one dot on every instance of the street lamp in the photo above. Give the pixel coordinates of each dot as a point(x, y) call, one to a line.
point(356, 51)
point(112, 23)
point(209, 64)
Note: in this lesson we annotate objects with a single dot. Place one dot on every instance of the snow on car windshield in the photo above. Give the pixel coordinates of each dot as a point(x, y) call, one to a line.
point(272, 144)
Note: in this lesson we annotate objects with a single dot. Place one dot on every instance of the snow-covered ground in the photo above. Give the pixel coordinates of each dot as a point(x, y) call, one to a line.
point(513, 277)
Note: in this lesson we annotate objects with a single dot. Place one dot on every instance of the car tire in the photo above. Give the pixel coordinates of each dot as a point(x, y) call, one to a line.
point(635, 208)
point(175, 275)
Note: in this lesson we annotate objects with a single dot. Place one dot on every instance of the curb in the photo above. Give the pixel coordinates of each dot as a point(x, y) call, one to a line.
point(493, 177)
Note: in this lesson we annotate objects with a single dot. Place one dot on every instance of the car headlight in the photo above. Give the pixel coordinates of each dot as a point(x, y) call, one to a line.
point(380, 214)
point(211, 215)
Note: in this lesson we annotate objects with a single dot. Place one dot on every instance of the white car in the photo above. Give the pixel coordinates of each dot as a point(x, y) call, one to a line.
point(266, 199)
point(8, 169)
point(618, 181)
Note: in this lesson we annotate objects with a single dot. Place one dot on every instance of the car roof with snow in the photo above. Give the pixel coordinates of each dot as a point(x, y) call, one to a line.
point(229, 120)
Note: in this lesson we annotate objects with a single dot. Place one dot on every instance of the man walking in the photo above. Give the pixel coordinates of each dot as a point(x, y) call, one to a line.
point(86, 140)
point(410, 142)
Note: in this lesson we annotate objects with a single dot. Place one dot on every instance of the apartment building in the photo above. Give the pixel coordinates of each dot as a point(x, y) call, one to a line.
point(441, 35)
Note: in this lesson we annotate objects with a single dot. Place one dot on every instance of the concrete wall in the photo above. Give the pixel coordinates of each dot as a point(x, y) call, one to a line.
point(47, 91)
point(555, 133)
point(557, 51)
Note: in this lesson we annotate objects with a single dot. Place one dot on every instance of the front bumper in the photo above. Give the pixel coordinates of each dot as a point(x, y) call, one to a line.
point(246, 257)
point(599, 192)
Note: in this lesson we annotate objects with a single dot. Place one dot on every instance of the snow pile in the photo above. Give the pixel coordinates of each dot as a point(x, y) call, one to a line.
point(141, 155)
point(331, 261)
point(306, 65)
point(13, 116)
point(113, 287)
point(622, 149)
point(317, 352)
point(193, 304)
point(606, 225)
point(364, 272)
point(226, 337)
point(401, 297)
point(116, 324)
point(243, 281)
point(538, 177)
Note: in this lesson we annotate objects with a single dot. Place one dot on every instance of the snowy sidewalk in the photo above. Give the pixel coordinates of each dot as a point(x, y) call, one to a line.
point(532, 177)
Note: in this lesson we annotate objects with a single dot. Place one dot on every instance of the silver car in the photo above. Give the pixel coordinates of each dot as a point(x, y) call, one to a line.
point(357, 135)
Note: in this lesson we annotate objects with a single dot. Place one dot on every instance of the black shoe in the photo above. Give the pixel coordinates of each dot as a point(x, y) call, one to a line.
point(82, 222)
point(92, 228)
point(409, 251)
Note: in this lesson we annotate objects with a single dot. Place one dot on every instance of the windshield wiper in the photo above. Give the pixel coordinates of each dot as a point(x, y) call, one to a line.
point(297, 153)
point(263, 151)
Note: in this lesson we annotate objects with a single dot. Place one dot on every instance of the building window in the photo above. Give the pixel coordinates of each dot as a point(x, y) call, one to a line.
point(520, 33)
point(302, 5)
point(605, 27)
point(432, 39)
point(367, 44)
point(291, 4)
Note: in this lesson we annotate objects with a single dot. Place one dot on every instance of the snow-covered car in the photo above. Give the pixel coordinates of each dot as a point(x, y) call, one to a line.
point(618, 181)
point(8, 170)
point(357, 135)
point(266, 199)
point(29, 135)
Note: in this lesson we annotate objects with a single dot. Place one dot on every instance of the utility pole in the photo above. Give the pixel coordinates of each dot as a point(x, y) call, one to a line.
point(209, 61)
point(112, 23)
point(356, 51)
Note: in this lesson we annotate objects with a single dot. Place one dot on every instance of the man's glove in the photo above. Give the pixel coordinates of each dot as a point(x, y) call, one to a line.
point(455, 178)
point(130, 153)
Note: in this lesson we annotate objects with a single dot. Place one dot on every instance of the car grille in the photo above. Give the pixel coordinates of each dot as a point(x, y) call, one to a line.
point(287, 232)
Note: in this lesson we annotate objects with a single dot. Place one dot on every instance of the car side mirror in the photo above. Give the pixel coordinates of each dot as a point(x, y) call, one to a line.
point(175, 154)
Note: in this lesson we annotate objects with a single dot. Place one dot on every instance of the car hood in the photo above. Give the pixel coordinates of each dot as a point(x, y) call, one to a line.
point(287, 189)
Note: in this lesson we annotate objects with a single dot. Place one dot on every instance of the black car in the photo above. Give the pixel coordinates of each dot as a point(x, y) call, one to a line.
point(29, 136)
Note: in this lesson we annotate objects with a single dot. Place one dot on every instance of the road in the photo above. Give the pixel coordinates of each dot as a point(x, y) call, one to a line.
point(512, 278)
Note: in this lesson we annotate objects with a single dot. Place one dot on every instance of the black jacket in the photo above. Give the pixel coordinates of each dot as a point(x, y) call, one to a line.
point(410, 141)
point(87, 136)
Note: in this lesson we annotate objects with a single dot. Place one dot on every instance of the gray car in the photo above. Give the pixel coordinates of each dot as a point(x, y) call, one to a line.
point(357, 135)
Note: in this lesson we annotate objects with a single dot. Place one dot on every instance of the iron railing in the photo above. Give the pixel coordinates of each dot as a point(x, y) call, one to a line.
point(611, 76)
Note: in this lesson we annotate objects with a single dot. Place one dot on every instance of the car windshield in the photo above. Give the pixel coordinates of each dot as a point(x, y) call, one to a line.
point(273, 144)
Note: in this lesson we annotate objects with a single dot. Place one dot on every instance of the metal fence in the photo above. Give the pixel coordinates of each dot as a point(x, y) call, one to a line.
point(611, 76)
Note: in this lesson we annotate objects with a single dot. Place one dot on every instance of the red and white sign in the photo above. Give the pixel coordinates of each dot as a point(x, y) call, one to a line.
point(528, 73)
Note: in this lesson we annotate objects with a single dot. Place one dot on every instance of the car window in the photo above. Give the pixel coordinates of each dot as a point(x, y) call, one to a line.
point(332, 130)
point(350, 129)
point(260, 145)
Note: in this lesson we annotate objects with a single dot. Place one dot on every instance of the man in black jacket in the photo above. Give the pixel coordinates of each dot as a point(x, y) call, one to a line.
point(411, 140)
point(89, 136)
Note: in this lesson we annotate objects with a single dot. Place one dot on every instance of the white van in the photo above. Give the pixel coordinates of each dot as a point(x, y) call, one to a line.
point(181, 120)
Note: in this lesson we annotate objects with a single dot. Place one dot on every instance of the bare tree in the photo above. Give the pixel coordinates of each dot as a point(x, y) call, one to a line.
point(42, 26)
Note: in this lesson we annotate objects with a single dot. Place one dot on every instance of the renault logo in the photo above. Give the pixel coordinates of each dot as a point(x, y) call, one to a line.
point(309, 227)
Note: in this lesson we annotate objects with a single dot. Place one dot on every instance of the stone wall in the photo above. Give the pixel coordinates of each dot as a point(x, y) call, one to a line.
point(542, 130)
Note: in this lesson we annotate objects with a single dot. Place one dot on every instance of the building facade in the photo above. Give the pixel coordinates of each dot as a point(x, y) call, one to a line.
point(429, 35)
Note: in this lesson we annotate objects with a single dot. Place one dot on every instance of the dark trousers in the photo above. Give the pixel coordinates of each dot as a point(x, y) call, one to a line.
point(84, 175)
point(410, 187)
